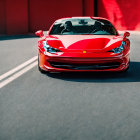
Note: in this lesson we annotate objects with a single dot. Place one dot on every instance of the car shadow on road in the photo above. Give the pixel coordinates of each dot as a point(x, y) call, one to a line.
point(132, 75)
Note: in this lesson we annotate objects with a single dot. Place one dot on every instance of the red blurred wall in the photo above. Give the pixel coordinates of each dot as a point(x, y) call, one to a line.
point(23, 16)
point(43, 13)
point(88, 7)
point(2, 17)
point(16, 16)
point(124, 14)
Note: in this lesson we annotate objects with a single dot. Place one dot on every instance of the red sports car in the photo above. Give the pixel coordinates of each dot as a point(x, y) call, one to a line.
point(83, 44)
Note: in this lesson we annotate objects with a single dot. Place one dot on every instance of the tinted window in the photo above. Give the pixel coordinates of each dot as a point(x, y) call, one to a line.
point(83, 26)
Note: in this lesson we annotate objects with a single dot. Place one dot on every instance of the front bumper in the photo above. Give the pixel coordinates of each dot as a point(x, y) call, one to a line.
point(80, 64)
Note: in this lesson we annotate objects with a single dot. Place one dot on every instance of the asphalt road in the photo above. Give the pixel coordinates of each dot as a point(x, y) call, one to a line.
point(85, 106)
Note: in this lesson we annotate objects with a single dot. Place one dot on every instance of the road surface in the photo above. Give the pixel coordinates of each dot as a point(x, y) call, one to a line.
point(85, 106)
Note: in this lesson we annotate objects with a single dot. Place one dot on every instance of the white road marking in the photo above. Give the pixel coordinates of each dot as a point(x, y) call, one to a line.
point(17, 68)
point(18, 74)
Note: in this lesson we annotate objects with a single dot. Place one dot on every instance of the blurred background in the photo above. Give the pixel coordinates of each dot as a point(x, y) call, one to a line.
point(28, 16)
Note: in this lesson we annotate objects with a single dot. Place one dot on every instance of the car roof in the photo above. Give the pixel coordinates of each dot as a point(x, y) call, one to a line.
point(82, 17)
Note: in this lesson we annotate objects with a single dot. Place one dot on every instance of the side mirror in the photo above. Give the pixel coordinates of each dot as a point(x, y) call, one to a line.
point(39, 33)
point(126, 34)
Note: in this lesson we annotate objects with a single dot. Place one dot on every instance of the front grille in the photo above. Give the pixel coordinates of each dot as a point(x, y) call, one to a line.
point(102, 66)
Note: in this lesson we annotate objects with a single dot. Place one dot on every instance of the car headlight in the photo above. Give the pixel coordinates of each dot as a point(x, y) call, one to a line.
point(118, 49)
point(49, 49)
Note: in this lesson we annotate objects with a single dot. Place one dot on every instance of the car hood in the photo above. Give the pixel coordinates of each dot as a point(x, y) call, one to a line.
point(84, 42)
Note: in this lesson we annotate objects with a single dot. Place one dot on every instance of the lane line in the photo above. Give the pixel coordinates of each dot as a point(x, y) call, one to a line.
point(10, 72)
point(18, 74)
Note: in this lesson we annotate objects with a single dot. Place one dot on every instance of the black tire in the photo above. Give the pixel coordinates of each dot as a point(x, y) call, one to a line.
point(41, 70)
point(126, 68)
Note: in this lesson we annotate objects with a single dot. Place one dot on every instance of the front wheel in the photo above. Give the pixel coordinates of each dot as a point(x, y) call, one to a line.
point(41, 70)
point(126, 68)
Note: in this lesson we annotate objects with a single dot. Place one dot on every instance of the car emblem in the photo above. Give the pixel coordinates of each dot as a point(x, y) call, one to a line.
point(84, 51)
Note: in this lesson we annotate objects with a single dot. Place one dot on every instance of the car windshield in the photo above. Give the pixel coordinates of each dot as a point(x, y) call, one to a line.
point(82, 26)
